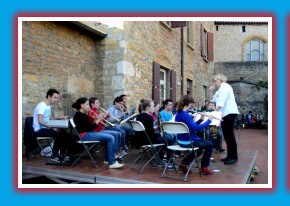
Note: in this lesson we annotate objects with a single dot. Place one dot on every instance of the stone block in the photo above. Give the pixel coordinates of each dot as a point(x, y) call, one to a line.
point(80, 85)
point(30, 77)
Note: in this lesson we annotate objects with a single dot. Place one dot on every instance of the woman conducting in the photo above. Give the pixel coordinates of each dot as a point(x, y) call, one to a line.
point(226, 103)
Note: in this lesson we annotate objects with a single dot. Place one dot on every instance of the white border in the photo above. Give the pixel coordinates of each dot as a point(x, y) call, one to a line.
point(115, 21)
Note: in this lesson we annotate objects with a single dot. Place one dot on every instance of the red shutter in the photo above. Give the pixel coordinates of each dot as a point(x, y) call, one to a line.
point(202, 40)
point(210, 47)
point(175, 24)
point(156, 82)
point(173, 85)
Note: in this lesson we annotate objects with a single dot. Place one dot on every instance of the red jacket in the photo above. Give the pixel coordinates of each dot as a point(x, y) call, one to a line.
point(91, 114)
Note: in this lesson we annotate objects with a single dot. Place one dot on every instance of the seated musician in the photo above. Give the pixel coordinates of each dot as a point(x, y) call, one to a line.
point(183, 139)
point(41, 115)
point(167, 115)
point(147, 107)
point(86, 131)
point(117, 132)
point(214, 131)
point(116, 115)
point(155, 116)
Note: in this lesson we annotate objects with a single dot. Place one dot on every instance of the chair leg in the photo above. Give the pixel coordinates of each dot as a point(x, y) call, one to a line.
point(137, 159)
point(166, 165)
point(195, 158)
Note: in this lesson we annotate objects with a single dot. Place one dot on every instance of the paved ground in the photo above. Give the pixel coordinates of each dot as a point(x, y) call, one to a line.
point(254, 139)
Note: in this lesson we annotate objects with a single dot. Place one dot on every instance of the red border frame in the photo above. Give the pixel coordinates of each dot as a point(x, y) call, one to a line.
point(148, 190)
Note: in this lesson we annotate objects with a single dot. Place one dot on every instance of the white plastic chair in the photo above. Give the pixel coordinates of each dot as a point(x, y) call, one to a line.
point(150, 149)
point(179, 128)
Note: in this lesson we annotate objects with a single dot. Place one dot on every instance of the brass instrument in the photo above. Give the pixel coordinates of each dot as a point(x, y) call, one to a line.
point(104, 123)
point(124, 108)
point(213, 130)
point(201, 113)
point(118, 120)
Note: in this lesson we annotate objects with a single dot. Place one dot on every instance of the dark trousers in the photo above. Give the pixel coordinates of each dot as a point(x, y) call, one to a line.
point(60, 140)
point(205, 145)
point(228, 131)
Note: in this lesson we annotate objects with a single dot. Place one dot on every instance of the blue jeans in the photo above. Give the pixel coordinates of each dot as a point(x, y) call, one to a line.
point(103, 137)
point(202, 144)
point(122, 132)
point(117, 136)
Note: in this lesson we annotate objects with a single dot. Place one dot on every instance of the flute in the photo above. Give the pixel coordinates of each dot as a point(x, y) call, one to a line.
point(207, 115)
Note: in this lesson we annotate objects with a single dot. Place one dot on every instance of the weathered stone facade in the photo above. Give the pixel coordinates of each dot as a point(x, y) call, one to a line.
point(249, 79)
point(98, 60)
point(57, 55)
point(230, 40)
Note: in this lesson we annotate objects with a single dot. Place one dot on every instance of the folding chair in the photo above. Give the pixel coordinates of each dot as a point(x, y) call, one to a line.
point(85, 144)
point(150, 149)
point(30, 139)
point(179, 128)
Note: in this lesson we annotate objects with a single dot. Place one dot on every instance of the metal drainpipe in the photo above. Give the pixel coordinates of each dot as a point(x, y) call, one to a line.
point(181, 41)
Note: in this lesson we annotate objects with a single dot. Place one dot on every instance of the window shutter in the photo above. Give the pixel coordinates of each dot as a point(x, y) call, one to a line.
point(210, 47)
point(173, 85)
point(175, 24)
point(202, 40)
point(156, 82)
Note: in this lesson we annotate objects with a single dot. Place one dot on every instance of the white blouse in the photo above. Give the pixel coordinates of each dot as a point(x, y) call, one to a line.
point(225, 99)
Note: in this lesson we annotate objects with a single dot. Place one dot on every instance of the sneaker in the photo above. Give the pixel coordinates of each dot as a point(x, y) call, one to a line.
point(160, 164)
point(55, 159)
point(116, 165)
point(106, 162)
point(206, 171)
point(67, 159)
point(170, 166)
point(118, 157)
point(124, 153)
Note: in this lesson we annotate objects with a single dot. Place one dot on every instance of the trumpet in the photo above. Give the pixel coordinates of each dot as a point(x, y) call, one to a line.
point(118, 120)
point(124, 108)
point(103, 122)
point(207, 115)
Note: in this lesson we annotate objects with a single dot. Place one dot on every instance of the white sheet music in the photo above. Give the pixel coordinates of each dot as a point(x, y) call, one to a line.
point(125, 120)
point(215, 122)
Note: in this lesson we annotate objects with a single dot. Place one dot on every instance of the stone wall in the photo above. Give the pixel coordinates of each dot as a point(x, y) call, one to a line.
point(245, 79)
point(230, 41)
point(251, 97)
point(248, 71)
point(57, 55)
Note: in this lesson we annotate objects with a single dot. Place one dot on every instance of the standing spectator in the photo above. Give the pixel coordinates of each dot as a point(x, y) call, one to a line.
point(249, 120)
point(260, 120)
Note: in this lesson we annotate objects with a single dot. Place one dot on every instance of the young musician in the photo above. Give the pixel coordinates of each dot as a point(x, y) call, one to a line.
point(147, 107)
point(117, 132)
point(116, 113)
point(166, 114)
point(41, 115)
point(86, 131)
point(183, 139)
point(226, 103)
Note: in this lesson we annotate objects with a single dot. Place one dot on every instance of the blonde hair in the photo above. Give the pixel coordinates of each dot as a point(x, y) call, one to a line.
point(221, 77)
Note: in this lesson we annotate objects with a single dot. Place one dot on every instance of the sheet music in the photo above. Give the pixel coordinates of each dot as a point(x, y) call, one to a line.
point(215, 122)
point(125, 120)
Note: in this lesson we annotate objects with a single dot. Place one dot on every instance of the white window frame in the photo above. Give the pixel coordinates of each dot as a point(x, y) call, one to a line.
point(261, 55)
point(163, 83)
point(205, 43)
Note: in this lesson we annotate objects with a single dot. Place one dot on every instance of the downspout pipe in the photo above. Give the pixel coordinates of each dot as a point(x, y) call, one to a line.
point(182, 58)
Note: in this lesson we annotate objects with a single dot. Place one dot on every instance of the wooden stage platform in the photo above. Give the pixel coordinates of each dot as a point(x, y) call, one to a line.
point(84, 171)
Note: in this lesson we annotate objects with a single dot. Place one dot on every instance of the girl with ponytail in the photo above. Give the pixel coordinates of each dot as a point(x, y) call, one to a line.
point(183, 139)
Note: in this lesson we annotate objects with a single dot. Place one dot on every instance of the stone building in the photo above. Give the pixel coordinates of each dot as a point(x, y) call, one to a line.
point(155, 60)
point(241, 53)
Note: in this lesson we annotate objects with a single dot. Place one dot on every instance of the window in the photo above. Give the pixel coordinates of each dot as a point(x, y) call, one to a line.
point(162, 85)
point(205, 43)
point(189, 87)
point(255, 51)
point(244, 28)
point(216, 28)
point(204, 95)
point(189, 26)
